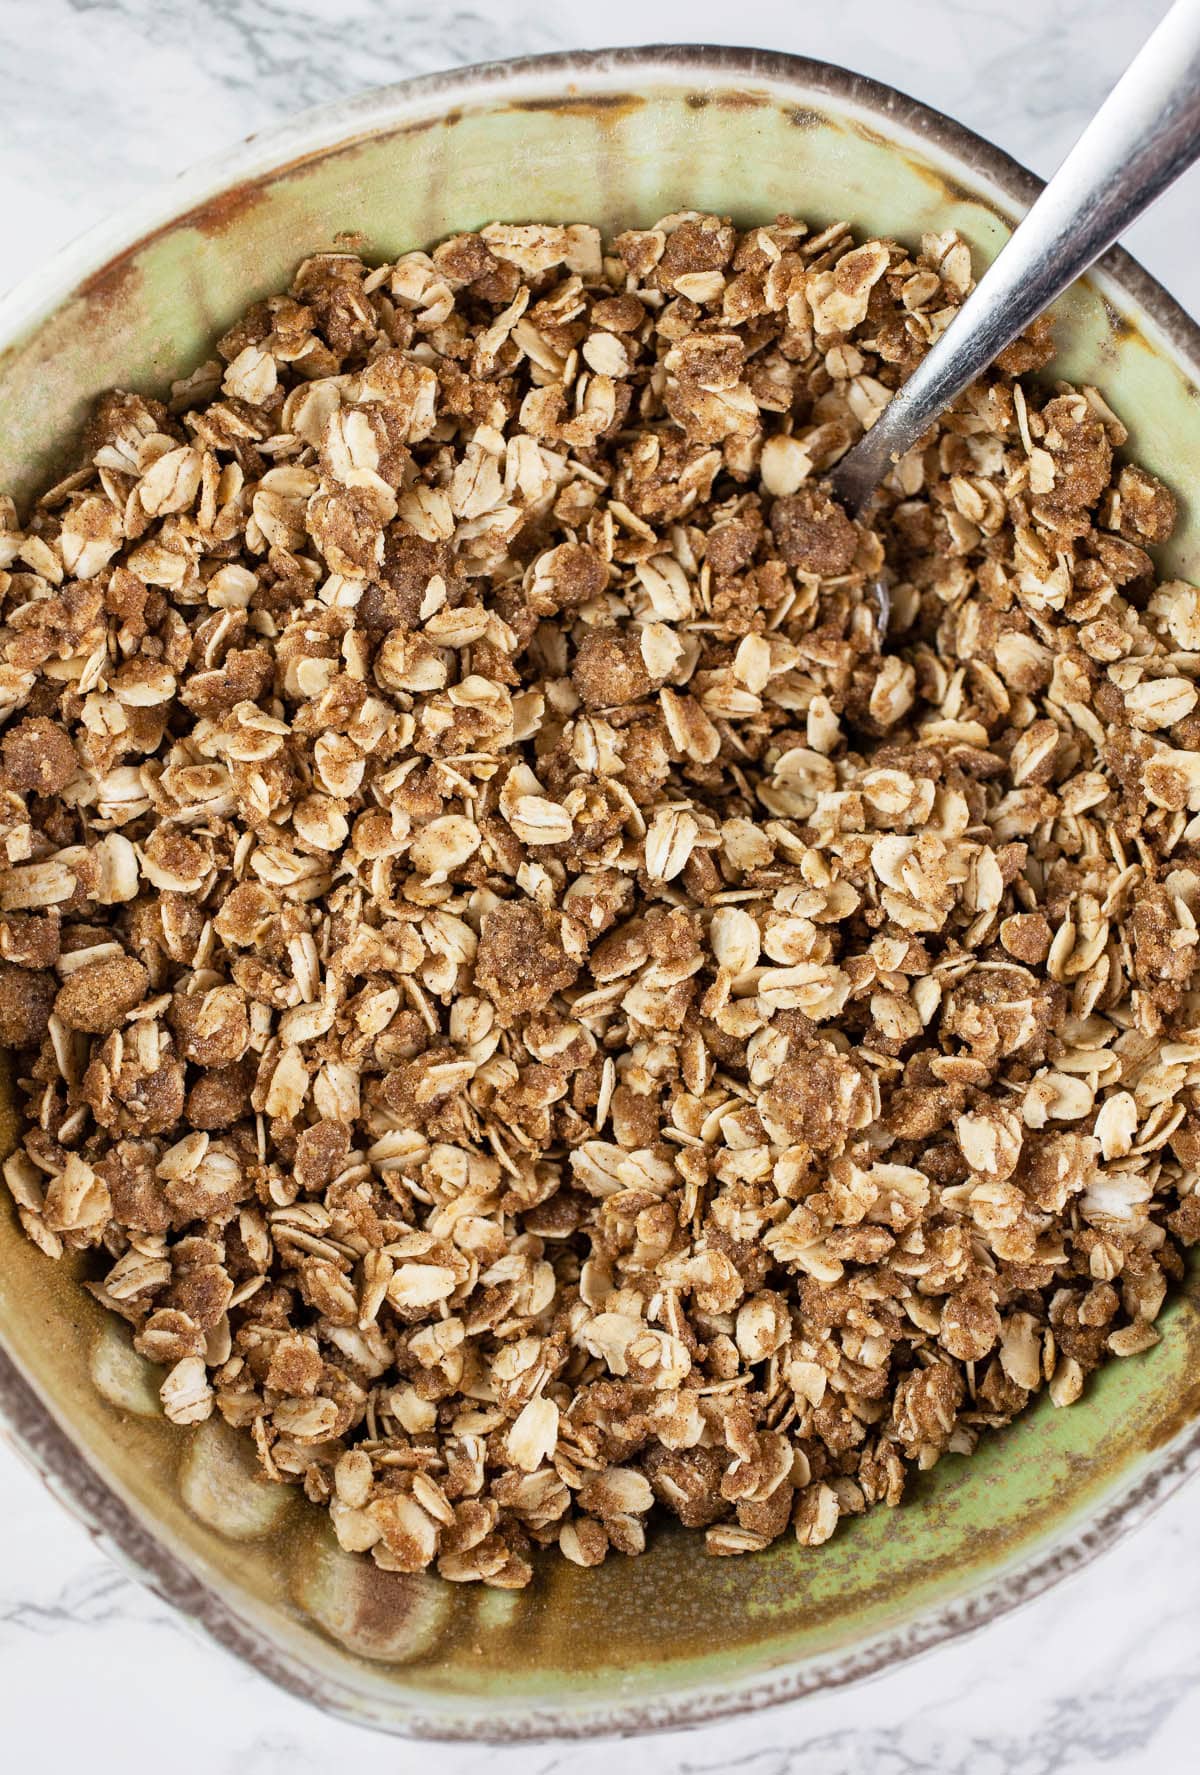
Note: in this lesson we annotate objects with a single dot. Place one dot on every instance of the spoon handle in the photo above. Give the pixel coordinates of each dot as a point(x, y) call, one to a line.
point(1144, 135)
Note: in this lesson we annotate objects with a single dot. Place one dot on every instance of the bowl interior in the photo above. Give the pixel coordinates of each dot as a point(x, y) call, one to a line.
point(674, 1635)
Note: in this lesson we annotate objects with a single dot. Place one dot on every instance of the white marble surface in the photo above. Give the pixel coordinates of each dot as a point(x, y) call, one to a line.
point(103, 96)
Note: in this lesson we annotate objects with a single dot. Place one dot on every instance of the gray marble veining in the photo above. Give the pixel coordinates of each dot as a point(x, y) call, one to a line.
point(102, 97)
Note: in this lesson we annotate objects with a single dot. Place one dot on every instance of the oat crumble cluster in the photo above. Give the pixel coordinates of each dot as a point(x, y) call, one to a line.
point(530, 1004)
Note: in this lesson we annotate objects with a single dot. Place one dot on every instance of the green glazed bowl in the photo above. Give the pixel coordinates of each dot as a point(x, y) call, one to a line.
point(618, 138)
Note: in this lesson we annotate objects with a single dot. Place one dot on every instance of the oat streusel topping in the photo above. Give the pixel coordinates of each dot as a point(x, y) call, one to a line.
point(532, 1005)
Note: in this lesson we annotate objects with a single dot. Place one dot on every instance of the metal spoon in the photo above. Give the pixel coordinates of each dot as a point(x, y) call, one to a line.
point(1144, 135)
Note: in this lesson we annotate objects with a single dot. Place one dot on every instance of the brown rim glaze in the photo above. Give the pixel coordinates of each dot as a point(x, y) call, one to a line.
point(33, 1427)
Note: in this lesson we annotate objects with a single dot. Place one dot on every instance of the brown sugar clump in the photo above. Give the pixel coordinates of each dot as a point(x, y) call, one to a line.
point(610, 670)
point(212, 1028)
point(521, 962)
point(1148, 509)
point(31, 940)
point(39, 758)
point(98, 997)
point(26, 1003)
point(574, 574)
point(813, 533)
point(219, 1098)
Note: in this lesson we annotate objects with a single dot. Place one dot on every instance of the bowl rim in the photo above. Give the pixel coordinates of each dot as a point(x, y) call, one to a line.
point(340, 123)
point(33, 1425)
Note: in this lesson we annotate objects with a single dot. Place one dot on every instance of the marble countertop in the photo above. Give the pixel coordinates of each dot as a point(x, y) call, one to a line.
point(101, 98)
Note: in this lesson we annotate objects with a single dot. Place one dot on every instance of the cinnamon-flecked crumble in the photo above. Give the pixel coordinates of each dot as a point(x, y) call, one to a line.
point(532, 1005)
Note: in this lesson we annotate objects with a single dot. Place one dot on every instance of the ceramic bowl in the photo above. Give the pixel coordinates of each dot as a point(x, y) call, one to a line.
point(615, 138)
